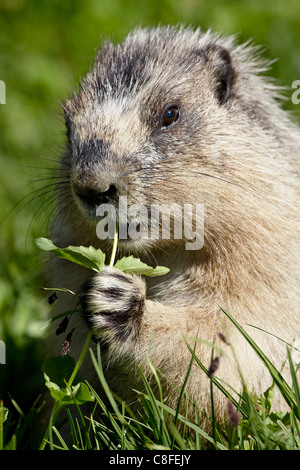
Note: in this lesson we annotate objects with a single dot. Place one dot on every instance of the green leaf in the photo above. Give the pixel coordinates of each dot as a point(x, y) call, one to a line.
point(55, 390)
point(158, 271)
point(89, 257)
point(59, 368)
point(66, 396)
point(57, 371)
point(81, 393)
point(45, 244)
point(133, 265)
point(3, 414)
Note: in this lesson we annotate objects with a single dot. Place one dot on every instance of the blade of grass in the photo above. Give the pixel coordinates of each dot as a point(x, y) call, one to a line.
point(95, 433)
point(198, 440)
point(58, 435)
point(294, 381)
point(239, 405)
point(284, 388)
point(84, 428)
point(99, 371)
point(212, 400)
point(274, 336)
point(154, 413)
point(184, 420)
point(184, 385)
point(185, 381)
point(106, 433)
point(72, 426)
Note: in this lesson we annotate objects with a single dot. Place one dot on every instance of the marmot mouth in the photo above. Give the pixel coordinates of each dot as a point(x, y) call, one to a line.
point(136, 224)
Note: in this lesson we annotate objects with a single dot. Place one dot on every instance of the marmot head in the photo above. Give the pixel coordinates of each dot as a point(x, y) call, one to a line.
point(169, 117)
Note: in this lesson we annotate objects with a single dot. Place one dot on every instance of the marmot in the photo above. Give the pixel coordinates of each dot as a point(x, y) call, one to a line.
point(176, 115)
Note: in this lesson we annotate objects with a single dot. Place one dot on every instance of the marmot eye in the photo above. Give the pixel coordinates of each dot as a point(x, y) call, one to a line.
point(170, 115)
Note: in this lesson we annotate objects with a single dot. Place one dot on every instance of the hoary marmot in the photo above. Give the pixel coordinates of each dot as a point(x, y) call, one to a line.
point(177, 116)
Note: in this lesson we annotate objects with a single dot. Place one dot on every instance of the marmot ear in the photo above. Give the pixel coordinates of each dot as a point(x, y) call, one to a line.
point(220, 63)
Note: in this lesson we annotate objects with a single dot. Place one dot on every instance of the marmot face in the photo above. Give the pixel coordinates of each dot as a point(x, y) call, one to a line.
point(152, 123)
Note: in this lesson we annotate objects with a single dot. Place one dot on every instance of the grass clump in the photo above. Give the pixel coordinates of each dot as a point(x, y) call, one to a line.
point(112, 425)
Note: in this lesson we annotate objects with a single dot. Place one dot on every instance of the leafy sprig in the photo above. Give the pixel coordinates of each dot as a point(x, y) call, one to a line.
point(92, 258)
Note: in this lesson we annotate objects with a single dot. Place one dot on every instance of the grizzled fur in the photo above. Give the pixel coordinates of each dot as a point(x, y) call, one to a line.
point(233, 149)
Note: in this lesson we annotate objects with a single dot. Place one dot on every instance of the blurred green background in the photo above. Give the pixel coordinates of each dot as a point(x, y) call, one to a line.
point(45, 47)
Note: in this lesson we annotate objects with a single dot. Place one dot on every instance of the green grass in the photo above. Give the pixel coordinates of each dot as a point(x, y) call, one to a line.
point(252, 424)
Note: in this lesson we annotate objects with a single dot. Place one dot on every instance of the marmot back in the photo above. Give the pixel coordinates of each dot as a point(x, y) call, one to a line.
point(183, 117)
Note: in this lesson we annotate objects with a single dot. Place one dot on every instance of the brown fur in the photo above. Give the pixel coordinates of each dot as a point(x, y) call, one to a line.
point(235, 151)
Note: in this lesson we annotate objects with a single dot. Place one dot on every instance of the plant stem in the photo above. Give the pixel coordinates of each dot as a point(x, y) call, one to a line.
point(80, 360)
point(59, 289)
point(114, 249)
point(57, 405)
point(60, 315)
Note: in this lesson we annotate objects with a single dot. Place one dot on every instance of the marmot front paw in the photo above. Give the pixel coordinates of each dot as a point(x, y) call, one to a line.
point(112, 304)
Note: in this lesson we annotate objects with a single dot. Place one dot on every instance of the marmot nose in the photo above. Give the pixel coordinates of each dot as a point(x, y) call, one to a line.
point(95, 197)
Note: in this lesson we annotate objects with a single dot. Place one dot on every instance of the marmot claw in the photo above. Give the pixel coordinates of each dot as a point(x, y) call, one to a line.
point(112, 303)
